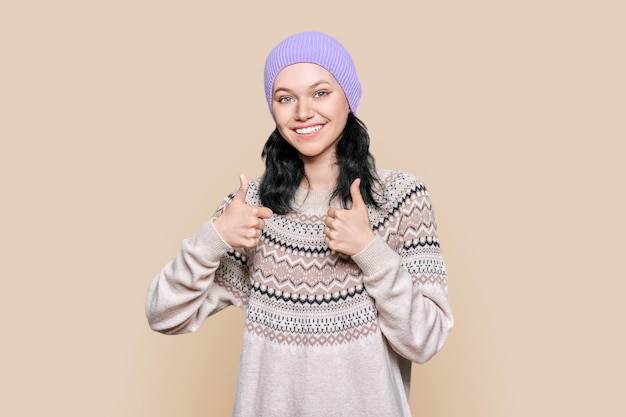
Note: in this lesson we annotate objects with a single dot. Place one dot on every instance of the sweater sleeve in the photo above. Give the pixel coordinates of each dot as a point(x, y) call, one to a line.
point(206, 276)
point(405, 275)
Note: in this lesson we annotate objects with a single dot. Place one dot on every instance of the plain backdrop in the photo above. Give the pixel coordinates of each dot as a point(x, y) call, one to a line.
point(123, 124)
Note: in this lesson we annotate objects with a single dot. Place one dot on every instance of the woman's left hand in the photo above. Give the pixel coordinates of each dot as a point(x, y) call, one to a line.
point(348, 230)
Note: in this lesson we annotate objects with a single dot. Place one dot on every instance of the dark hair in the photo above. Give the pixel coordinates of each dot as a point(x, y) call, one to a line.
point(284, 170)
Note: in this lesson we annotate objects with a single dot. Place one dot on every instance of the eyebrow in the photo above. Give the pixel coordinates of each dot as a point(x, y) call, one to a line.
point(311, 87)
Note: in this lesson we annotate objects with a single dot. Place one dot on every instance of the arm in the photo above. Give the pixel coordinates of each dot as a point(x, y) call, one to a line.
point(405, 275)
point(205, 276)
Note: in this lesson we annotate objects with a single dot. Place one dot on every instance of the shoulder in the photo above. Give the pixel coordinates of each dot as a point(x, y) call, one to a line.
point(395, 186)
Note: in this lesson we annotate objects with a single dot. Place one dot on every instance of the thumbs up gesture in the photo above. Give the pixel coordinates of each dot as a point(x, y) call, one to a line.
point(240, 224)
point(348, 230)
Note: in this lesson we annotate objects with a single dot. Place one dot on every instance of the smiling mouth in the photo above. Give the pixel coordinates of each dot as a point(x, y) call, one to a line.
point(309, 130)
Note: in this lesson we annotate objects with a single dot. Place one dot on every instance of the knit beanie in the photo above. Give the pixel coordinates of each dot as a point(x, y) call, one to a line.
point(317, 48)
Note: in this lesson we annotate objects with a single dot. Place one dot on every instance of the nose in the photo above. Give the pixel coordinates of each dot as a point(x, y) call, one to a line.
point(304, 110)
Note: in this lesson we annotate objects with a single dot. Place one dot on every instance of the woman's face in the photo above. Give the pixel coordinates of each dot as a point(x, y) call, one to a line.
point(310, 109)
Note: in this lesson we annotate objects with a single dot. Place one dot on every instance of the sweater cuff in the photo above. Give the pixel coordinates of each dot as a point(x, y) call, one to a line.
point(210, 243)
point(374, 257)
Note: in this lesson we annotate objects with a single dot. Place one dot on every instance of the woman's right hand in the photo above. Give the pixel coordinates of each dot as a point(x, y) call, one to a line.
point(240, 225)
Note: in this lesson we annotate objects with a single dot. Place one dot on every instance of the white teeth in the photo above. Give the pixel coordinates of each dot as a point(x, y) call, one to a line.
point(308, 130)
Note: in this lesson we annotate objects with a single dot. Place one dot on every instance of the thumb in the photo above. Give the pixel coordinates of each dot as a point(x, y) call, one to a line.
point(243, 189)
point(355, 193)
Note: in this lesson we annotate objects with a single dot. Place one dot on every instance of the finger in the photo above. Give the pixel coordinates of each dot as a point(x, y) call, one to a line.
point(331, 212)
point(243, 188)
point(264, 213)
point(355, 193)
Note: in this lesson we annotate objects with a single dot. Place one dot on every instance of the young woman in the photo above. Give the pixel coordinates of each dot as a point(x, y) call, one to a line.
point(335, 263)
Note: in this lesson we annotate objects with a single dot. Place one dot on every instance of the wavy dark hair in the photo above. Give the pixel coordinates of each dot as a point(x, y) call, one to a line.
point(284, 170)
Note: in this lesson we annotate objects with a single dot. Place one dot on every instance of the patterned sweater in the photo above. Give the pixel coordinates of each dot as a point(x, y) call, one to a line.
point(325, 334)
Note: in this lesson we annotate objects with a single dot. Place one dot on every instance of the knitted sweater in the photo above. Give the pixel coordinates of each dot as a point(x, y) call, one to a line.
point(325, 334)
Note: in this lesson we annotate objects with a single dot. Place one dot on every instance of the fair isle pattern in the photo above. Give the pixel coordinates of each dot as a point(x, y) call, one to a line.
point(232, 272)
point(297, 292)
point(311, 321)
point(313, 339)
point(302, 293)
point(408, 225)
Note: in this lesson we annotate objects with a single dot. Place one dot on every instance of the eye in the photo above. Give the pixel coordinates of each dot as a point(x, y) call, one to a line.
point(320, 94)
point(285, 99)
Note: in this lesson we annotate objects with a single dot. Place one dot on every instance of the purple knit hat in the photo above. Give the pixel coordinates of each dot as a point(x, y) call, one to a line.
point(317, 48)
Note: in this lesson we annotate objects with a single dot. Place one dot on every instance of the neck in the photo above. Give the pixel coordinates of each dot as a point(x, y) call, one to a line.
point(320, 176)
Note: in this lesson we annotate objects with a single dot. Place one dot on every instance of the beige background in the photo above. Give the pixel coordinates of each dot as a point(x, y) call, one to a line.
point(124, 122)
